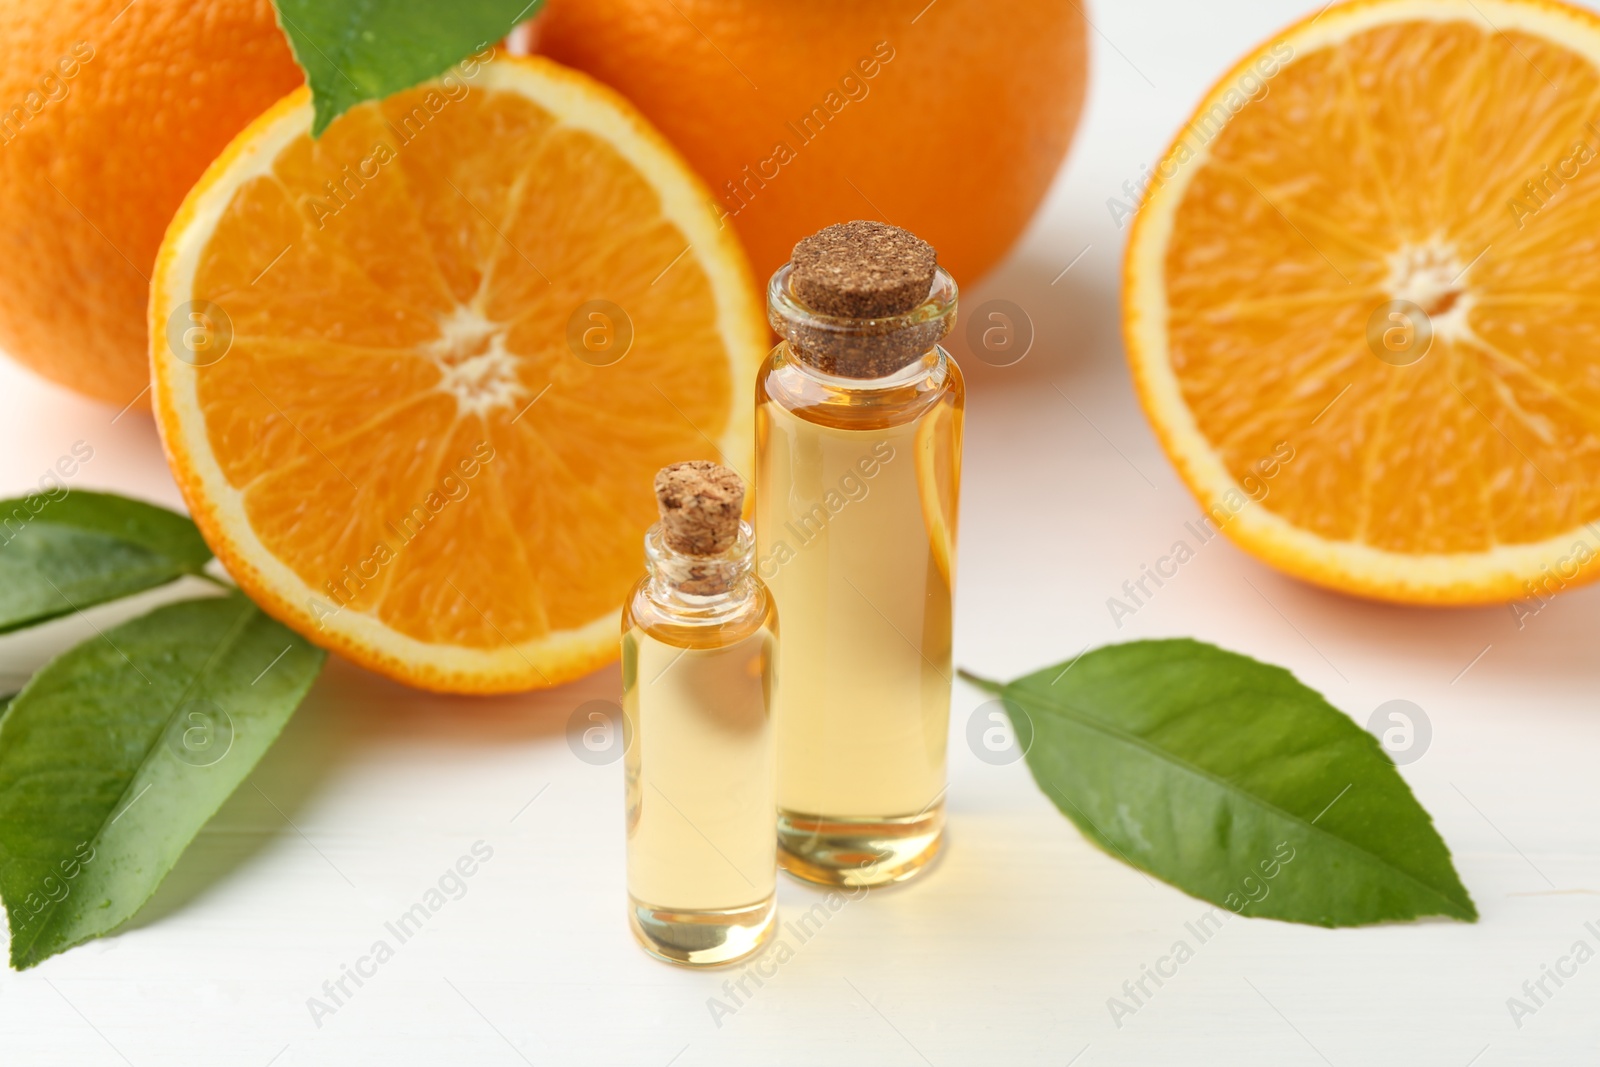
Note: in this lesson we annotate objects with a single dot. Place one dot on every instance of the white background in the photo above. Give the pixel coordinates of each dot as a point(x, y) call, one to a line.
point(1008, 952)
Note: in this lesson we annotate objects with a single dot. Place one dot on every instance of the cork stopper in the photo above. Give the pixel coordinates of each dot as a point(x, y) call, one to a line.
point(700, 503)
point(862, 300)
point(863, 270)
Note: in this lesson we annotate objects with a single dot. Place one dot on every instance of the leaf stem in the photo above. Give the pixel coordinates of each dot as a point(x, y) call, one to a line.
point(985, 684)
point(214, 580)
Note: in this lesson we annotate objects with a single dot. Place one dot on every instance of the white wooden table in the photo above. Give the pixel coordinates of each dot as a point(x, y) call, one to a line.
point(1009, 951)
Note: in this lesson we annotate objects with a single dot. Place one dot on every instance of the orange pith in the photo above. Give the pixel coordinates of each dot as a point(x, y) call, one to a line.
point(1387, 157)
point(401, 453)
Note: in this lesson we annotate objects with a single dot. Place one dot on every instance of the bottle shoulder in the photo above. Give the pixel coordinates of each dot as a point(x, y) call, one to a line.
point(785, 384)
point(957, 386)
point(754, 611)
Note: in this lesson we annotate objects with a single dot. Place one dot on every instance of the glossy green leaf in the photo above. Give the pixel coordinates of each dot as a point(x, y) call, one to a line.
point(59, 555)
point(356, 50)
point(1234, 782)
point(119, 750)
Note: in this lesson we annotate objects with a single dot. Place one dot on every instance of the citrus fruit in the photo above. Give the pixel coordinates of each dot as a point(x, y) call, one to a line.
point(938, 451)
point(949, 118)
point(109, 111)
point(415, 378)
point(1361, 302)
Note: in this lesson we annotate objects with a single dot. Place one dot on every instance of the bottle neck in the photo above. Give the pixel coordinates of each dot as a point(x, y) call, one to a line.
point(706, 589)
point(931, 366)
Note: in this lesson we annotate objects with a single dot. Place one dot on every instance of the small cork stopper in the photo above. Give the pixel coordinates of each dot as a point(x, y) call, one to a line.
point(700, 504)
point(863, 270)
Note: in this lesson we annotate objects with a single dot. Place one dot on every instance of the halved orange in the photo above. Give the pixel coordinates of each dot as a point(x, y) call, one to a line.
point(415, 377)
point(1362, 300)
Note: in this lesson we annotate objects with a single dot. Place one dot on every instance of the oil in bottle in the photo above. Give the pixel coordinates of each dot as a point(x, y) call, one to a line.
point(699, 637)
point(858, 435)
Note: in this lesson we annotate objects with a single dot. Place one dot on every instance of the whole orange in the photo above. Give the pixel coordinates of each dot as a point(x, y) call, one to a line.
point(948, 118)
point(109, 112)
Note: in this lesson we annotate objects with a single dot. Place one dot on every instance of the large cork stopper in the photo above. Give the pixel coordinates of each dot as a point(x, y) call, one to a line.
point(700, 504)
point(857, 282)
point(863, 270)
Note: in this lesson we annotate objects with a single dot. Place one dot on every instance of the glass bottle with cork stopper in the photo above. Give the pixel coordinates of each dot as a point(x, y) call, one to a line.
point(858, 438)
point(699, 635)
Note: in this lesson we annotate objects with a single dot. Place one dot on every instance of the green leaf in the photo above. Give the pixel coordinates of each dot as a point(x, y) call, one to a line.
point(119, 750)
point(356, 50)
point(60, 555)
point(1234, 782)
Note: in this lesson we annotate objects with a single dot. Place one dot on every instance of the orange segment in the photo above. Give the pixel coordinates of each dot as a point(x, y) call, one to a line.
point(1445, 153)
point(402, 453)
point(938, 452)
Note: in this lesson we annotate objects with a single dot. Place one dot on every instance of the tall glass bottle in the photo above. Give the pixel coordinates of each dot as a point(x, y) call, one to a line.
point(699, 635)
point(858, 436)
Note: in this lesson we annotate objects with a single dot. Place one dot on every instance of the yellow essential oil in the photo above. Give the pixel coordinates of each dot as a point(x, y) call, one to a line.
point(699, 637)
point(858, 433)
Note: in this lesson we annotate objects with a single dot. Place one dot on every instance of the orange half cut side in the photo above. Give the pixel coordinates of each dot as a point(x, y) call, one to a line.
point(1362, 304)
point(415, 377)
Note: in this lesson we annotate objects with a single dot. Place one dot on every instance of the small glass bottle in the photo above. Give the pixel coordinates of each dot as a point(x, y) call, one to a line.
point(858, 438)
point(699, 636)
